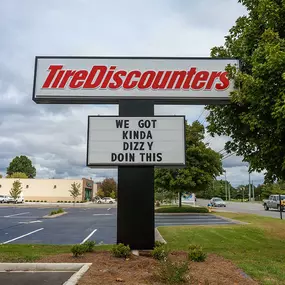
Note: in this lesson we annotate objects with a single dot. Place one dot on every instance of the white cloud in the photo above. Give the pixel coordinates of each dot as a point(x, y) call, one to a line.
point(54, 136)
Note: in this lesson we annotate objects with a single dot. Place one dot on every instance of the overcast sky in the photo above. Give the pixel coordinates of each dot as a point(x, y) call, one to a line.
point(54, 136)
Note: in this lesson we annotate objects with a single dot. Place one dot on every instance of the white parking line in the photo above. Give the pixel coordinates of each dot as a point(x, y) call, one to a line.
point(30, 222)
point(22, 236)
point(102, 214)
point(109, 209)
point(16, 215)
point(88, 237)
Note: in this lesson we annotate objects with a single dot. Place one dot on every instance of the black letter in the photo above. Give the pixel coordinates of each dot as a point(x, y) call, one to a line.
point(125, 146)
point(125, 137)
point(159, 157)
point(113, 157)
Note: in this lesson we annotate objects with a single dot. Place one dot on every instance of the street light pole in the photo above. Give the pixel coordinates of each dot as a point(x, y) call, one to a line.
point(249, 188)
point(226, 185)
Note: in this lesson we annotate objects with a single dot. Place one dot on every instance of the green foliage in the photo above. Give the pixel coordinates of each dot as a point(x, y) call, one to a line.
point(106, 187)
point(159, 253)
point(75, 190)
point(89, 246)
point(1, 175)
point(21, 164)
point(172, 272)
point(18, 175)
point(59, 211)
point(158, 243)
point(16, 189)
point(196, 253)
point(202, 165)
point(113, 194)
point(183, 209)
point(254, 119)
point(121, 250)
point(78, 249)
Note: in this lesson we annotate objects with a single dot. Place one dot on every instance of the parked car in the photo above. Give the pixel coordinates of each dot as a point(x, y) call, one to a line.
point(3, 199)
point(9, 199)
point(217, 202)
point(274, 203)
point(104, 200)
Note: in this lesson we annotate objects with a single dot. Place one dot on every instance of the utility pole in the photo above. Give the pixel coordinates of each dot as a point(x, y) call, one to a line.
point(243, 194)
point(252, 187)
point(226, 185)
point(249, 190)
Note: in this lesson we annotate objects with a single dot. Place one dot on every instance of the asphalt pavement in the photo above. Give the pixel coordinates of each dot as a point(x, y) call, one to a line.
point(34, 278)
point(244, 207)
point(26, 225)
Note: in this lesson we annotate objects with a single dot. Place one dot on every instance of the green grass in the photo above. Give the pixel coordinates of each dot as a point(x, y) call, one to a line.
point(183, 209)
point(59, 211)
point(258, 248)
point(31, 253)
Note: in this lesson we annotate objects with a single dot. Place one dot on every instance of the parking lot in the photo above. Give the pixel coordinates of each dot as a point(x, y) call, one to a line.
point(26, 225)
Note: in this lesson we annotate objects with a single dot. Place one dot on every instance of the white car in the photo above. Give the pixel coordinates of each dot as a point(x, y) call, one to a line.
point(217, 202)
point(3, 199)
point(8, 199)
point(105, 200)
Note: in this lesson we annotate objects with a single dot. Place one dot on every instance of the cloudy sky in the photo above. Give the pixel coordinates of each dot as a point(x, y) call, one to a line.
point(54, 136)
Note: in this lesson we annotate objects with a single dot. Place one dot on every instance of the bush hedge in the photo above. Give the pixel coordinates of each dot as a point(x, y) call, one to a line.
point(183, 209)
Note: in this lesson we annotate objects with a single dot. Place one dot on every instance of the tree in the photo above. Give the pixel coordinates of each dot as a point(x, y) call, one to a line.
point(202, 165)
point(18, 175)
point(108, 186)
point(21, 164)
point(254, 119)
point(1, 176)
point(16, 190)
point(75, 190)
point(100, 193)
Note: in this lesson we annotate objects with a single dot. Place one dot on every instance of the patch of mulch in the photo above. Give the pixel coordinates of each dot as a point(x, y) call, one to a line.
point(139, 270)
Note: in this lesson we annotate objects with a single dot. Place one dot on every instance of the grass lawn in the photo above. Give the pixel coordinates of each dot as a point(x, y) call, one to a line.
point(183, 209)
point(30, 253)
point(258, 248)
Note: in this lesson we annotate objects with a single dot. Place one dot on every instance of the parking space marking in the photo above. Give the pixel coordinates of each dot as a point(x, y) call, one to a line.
point(102, 215)
point(16, 215)
point(88, 237)
point(109, 209)
point(8, 241)
point(30, 222)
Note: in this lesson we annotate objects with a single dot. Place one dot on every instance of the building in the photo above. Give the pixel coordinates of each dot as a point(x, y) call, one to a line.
point(50, 190)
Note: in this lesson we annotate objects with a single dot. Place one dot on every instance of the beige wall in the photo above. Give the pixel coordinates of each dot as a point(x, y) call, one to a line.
point(51, 190)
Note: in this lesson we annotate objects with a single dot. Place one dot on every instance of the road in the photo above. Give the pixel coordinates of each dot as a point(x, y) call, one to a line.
point(26, 225)
point(246, 207)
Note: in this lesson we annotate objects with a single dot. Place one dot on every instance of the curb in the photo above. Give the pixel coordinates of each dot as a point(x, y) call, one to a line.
point(54, 216)
point(182, 214)
point(158, 236)
point(80, 268)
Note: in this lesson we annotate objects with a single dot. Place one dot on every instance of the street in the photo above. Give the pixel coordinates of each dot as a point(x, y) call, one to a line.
point(244, 207)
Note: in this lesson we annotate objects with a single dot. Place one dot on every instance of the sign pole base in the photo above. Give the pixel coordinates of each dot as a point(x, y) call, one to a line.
point(135, 221)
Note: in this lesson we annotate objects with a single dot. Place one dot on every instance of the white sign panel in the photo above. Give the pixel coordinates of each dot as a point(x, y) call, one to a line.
point(109, 79)
point(114, 141)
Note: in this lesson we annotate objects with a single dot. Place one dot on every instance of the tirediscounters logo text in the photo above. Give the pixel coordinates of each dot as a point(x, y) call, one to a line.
point(104, 77)
point(124, 78)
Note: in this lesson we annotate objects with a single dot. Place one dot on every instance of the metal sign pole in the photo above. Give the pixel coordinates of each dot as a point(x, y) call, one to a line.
point(135, 222)
point(280, 206)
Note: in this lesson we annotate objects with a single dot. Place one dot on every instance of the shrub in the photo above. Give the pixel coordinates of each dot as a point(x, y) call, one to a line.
point(89, 246)
point(69, 201)
point(158, 243)
point(38, 201)
point(77, 201)
point(34, 200)
point(56, 212)
point(157, 203)
point(45, 201)
point(121, 250)
point(159, 253)
point(172, 272)
point(78, 249)
point(184, 209)
point(41, 201)
point(196, 253)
